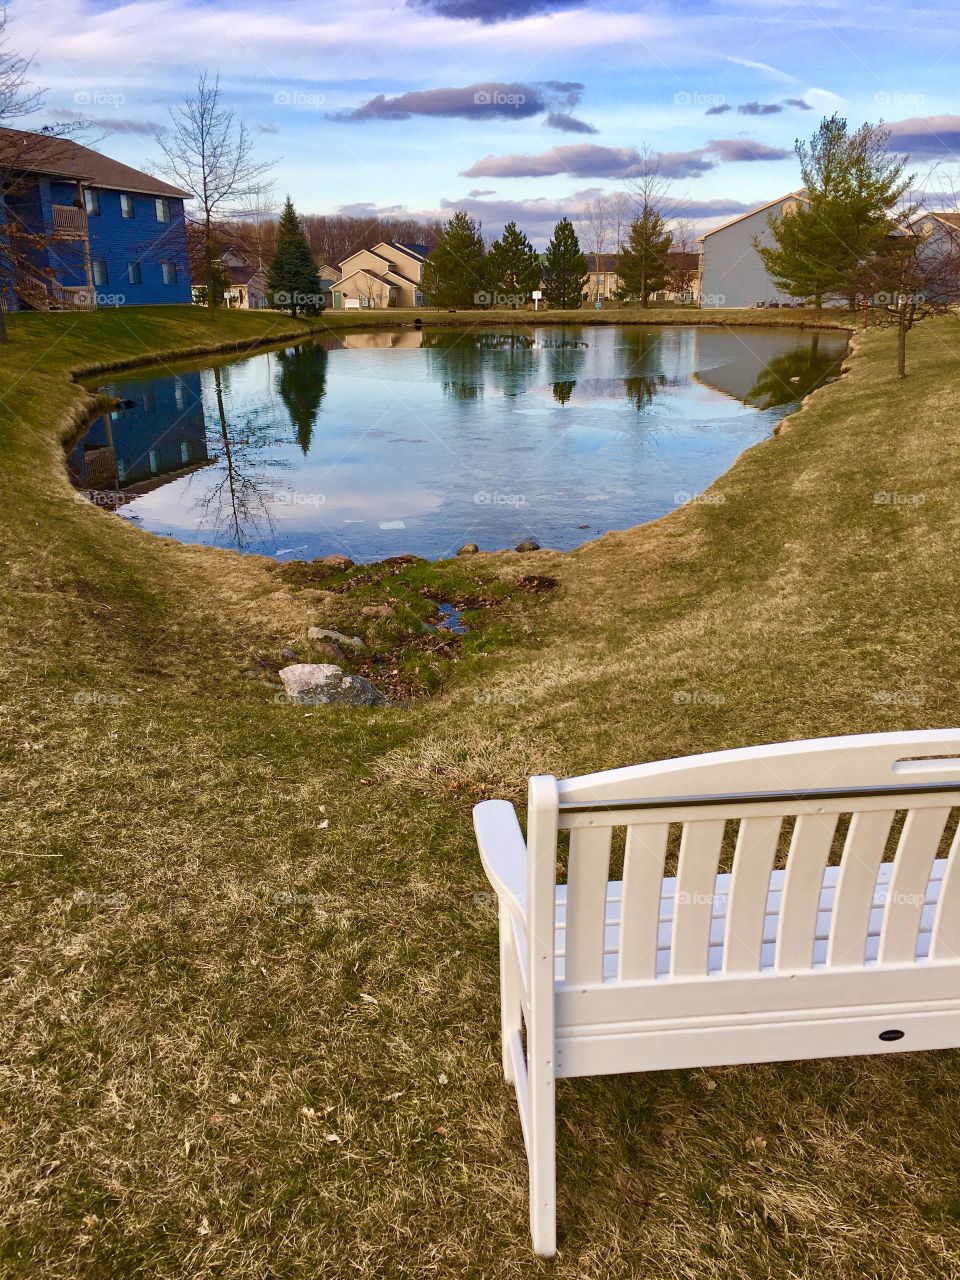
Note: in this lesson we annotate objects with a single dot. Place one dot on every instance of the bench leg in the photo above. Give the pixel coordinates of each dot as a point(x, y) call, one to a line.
point(542, 1151)
point(511, 1012)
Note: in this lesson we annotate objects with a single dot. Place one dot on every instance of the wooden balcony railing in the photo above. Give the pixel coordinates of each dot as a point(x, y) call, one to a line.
point(69, 221)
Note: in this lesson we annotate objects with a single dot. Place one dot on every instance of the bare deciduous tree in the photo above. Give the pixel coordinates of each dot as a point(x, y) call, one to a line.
point(594, 225)
point(682, 266)
point(18, 98)
point(914, 276)
point(209, 152)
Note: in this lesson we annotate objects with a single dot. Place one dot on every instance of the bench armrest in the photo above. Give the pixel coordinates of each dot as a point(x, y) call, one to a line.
point(503, 852)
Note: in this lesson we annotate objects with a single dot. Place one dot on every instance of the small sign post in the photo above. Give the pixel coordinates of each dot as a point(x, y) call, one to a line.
point(536, 296)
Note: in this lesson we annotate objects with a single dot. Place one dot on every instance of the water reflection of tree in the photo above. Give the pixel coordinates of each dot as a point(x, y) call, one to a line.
point(458, 361)
point(642, 390)
point(564, 358)
point(238, 503)
point(794, 375)
point(302, 384)
point(463, 362)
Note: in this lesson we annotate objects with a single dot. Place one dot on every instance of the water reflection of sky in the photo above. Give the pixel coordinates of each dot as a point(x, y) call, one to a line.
point(379, 444)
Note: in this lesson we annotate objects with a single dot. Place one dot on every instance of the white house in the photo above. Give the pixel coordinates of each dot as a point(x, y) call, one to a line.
point(732, 273)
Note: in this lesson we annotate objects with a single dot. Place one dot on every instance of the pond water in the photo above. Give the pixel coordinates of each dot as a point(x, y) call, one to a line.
point(376, 444)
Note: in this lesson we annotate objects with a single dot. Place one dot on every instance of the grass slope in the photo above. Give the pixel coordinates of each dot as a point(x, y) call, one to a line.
point(249, 1000)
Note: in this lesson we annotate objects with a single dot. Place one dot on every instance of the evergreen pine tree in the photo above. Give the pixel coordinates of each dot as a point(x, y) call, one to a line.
point(513, 267)
point(852, 187)
point(564, 268)
point(455, 274)
point(643, 259)
point(292, 278)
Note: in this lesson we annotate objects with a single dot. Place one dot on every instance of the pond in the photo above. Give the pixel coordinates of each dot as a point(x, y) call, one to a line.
point(381, 443)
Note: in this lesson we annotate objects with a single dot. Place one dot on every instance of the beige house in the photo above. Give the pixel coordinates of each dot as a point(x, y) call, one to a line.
point(388, 275)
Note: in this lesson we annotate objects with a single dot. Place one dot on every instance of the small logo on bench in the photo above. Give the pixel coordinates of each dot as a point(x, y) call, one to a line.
point(891, 1035)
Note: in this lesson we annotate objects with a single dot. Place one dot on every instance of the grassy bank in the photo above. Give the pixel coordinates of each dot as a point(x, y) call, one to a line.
point(249, 1004)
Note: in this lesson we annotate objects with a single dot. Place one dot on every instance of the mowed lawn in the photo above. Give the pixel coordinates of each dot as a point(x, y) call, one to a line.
point(249, 956)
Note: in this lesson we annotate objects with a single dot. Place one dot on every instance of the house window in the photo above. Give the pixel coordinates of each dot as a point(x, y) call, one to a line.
point(100, 275)
point(163, 209)
point(121, 470)
point(184, 451)
point(134, 273)
point(126, 204)
point(169, 270)
point(154, 461)
point(91, 201)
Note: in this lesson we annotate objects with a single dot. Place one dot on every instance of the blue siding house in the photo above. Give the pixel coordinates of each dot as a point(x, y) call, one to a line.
point(80, 230)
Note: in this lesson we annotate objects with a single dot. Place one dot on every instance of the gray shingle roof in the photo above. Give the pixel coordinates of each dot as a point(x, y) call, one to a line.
point(61, 158)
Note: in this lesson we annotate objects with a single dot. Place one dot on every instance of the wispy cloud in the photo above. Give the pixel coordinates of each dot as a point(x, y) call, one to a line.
point(580, 160)
point(586, 160)
point(567, 123)
point(926, 137)
point(487, 100)
point(489, 11)
point(116, 124)
point(759, 108)
point(481, 101)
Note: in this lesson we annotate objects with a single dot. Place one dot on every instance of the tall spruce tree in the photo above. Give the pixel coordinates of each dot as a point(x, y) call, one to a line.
point(564, 268)
point(643, 261)
point(292, 279)
point(455, 274)
point(513, 267)
point(853, 187)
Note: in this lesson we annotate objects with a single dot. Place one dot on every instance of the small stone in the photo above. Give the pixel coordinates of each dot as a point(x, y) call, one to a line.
point(468, 549)
point(289, 653)
point(528, 544)
point(323, 649)
point(337, 561)
point(378, 611)
point(334, 637)
point(312, 683)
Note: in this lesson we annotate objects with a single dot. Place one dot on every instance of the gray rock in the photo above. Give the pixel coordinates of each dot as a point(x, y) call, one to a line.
point(468, 549)
point(337, 561)
point(289, 653)
point(528, 544)
point(311, 683)
point(334, 637)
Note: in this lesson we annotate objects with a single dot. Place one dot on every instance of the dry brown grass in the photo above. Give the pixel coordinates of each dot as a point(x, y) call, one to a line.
point(249, 1007)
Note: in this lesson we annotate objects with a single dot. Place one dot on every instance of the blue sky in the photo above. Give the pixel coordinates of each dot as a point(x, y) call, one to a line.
point(509, 108)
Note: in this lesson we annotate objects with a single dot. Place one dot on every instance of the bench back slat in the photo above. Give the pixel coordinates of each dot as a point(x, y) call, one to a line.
point(587, 876)
point(753, 861)
point(916, 850)
point(808, 856)
point(862, 856)
point(693, 905)
point(643, 862)
point(945, 944)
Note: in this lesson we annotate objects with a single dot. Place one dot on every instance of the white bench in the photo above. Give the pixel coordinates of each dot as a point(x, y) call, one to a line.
point(836, 930)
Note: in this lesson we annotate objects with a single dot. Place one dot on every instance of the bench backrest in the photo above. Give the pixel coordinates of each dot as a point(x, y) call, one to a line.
point(845, 800)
